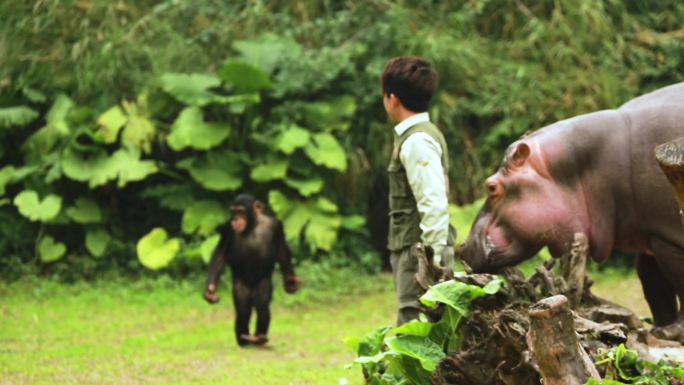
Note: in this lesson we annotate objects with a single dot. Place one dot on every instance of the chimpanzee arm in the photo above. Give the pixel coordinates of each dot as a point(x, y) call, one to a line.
point(284, 258)
point(216, 266)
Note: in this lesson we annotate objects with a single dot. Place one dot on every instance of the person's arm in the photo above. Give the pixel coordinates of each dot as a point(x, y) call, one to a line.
point(284, 258)
point(421, 156)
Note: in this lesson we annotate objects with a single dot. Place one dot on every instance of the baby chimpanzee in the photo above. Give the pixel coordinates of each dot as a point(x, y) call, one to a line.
point(250, 246)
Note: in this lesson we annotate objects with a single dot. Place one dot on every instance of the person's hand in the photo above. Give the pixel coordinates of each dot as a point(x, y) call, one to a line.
point(210, 294)
point(291, 283)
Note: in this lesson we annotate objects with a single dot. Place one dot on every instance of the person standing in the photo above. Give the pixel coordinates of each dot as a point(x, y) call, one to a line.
point(418, 181)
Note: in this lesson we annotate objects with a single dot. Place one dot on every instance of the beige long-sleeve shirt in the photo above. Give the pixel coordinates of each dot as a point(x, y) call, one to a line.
point(421, 156)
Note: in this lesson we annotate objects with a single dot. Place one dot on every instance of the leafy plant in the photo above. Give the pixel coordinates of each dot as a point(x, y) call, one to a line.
point(410, 353)
point(622, 364)
point(155, 250)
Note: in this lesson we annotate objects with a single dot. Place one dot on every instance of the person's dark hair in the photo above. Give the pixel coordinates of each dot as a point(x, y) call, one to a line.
point(410, 78)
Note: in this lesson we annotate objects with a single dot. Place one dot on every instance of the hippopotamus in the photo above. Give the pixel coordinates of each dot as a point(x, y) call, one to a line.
point(594, 174)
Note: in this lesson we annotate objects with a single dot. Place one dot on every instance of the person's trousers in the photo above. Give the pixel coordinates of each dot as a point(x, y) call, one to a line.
point(404, 268)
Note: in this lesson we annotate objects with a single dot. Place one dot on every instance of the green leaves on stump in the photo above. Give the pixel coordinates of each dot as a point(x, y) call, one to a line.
point(155, 251)
point(412, 351)
point(30, 205)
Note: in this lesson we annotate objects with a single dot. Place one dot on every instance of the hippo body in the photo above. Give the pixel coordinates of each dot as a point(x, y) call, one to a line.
point(596, 174)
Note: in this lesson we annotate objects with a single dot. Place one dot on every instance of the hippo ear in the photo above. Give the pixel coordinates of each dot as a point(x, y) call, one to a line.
point(520, 155)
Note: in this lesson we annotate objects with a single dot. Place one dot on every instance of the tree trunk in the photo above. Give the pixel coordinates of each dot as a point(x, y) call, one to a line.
point(670, 156)
point(554, 345)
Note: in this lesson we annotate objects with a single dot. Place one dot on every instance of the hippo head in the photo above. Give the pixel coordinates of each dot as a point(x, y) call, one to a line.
point(527, 208)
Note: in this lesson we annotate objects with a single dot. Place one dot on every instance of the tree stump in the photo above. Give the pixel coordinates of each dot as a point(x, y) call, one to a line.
point(670, 156)
point(554, 345)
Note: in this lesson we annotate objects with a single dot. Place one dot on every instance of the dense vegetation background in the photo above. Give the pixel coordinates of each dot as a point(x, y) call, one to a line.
point(127, 126)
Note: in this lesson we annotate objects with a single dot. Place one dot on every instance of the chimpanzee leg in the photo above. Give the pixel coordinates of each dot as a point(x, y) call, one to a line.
point(242, 300)
point(262, 300)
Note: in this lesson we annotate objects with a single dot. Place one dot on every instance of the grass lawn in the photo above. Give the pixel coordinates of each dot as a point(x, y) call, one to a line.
point(162, 332)
point(157, 331)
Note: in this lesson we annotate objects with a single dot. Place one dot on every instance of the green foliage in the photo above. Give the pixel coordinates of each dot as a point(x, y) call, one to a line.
point(17, 116)
point(29, 204)
point(622, 364)
point(190, 130)
point(97, 241)
point(324, 150)
point(148, 108)
point(318, 219)
point(203, 217)
point(192, 89)
point(243, 77)
point(49, 250)
point(85, 211)
point(218, 171)
point(412, 351)
point(155, 250)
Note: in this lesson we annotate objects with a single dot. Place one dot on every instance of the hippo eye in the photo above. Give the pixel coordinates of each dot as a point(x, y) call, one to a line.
point(493, 188)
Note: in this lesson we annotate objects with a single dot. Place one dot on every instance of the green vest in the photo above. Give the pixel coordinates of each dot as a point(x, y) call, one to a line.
point(404, 219)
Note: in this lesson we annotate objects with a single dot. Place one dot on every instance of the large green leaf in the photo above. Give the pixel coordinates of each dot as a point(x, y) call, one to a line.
point(208, 246)
point(306, 187)
point(324, 150)
point(318, 218)
point(171, 196)
point(85, 211)
point(128, 167)
point(97, 169)
point(335, 114)
point(190, 130)
point(192, 89)
point(97, 241)
point(423, 349)
point(110, 123)
point(33, 208)
point(458, 295)
point(82, 166)
point(292, 138)
point(139, 133)
point(204, 217)
point(17, 116)
point(9, 175)
point(57, 127)
point(268, 50)
point(272, 169)
point(321, 231)
point(237, 104)
point(414, 327)
point(6, 177)
point(49, 250)
point(155, 251)
point(243, 77)
point(218, 171)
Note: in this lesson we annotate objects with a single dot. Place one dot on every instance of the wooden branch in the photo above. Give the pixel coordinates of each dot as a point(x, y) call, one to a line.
point(573, 269)
point(554, 346)
point(670, 157)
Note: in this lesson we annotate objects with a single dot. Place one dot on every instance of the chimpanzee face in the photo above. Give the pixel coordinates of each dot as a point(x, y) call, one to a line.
point(238, 220)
